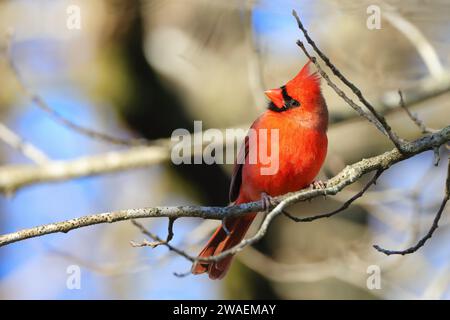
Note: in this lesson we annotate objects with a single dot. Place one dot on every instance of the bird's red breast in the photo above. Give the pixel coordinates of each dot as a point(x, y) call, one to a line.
point(302, 148)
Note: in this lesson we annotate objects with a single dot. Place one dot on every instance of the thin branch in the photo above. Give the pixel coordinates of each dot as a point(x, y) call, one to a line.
point(421, 125)
point(224, 226)
point(347, 176)
point(170, 233)
point(437, 156)
point(96, 135)
point(58, 117)
point(14, 177)
point(157, 241)
point(27, 149)
point(423, 90)
point(431, 231)
point(169, 237)
point(414, 117)
point(391, 134)
point(342, 208)
point(341, 93)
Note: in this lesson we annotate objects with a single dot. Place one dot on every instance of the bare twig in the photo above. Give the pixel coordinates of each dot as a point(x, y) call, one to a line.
point(342, 208)
point(58, 117)
point(254, 61)
point(96, 135)
point(224, 225)
point(387, 129)
point(430, 232)
point(421, 125)
point(423, 90)
point(346, 267)
point(339, 92)
point(158, 241)
point(170, 233)
point(347, 176)
point(27, 149)
point(414, 117)
point(437, 156)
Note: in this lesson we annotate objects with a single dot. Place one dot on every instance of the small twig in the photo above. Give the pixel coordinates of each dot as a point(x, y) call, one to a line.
point(430, 232)
point(437, 156)
point(224, 225)
point(170, 233)
point(399, 143)
point(414, 117)
point(421, 125)
point(58, 117)
point(27, 149)
point(155, 244)
point(339, 92)
point(254, 60)
point(158, 241)
point(182, 274)
point(42, 104)
point(342, 208)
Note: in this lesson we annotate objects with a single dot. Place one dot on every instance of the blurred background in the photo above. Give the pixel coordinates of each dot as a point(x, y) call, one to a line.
point(141, 69)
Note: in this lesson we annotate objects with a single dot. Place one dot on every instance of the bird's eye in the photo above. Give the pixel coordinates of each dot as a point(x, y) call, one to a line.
point(295, 103)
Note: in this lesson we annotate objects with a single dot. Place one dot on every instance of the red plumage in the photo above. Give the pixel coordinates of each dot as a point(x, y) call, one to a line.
point(299, 112)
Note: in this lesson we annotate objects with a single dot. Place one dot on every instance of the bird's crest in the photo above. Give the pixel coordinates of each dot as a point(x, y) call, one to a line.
point(304, 81)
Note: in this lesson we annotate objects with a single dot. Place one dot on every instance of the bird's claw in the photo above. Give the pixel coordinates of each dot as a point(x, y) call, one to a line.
point(267, 201)
point(318, 185)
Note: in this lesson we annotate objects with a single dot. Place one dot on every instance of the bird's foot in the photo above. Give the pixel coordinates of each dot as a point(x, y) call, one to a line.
point(318, 185)
point(267, 201)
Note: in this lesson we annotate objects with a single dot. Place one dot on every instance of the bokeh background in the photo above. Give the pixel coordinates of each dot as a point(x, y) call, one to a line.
point(145, 68)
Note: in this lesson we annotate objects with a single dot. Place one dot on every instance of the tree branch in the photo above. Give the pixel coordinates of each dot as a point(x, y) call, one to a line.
point(55, 115)
point(418, 122)
point(158, 241)
point(433, 227)
point(13, 177)
point(341, 93)
point(340, 209)
point(388, 130)
point(346, 177)
point(27, 149)
point(414, 117)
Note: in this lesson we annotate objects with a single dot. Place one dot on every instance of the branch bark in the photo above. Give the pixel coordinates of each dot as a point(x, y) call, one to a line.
point(346, 177)
point(13, 177)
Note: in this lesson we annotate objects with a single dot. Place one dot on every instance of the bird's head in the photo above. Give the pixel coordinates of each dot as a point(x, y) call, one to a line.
point(302, 94)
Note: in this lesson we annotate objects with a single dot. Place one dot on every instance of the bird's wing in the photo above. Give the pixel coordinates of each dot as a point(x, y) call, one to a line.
point(236, 178)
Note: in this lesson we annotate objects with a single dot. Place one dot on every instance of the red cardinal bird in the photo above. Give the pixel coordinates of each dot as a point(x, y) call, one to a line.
point(299, 112)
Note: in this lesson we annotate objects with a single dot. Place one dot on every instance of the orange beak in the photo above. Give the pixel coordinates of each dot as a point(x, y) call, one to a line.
point(276, 96)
